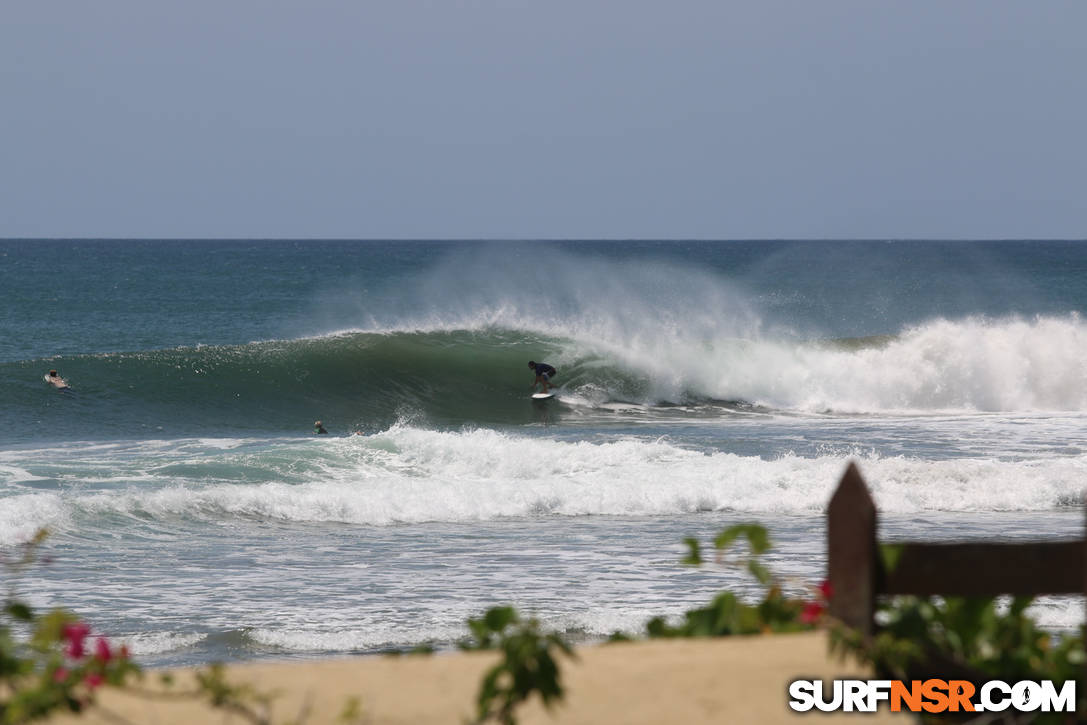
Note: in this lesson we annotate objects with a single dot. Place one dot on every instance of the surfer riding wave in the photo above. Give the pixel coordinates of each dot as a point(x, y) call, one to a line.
point(544, 373)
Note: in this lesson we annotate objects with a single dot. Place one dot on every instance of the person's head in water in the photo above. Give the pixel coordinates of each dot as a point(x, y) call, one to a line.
point(318, 428)
point(52, 373)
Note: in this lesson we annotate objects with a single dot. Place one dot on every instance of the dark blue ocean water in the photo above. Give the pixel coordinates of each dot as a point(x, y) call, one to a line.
point(193, 512)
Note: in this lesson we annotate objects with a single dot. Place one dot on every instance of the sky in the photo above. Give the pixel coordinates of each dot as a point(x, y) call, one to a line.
point(507, 119)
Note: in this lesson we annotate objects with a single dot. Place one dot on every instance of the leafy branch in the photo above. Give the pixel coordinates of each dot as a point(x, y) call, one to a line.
point(528, 663)
point(727, 614)
point(59, 664)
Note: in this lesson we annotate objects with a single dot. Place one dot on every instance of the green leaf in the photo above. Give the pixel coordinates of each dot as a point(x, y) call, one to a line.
point(19, 611)
point(352, 710)
point(890, 554)
point(757, 537)
point(760, 572)
point(724, 539)
point(694, 552)
point(658, 627)
point(498, 618)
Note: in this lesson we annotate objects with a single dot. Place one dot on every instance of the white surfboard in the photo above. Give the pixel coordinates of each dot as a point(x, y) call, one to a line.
point(542, 396)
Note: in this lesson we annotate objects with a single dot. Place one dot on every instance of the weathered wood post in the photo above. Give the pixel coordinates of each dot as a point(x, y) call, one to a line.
point(852, 562)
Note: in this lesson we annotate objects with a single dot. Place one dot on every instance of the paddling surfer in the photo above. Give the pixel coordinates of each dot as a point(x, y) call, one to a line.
point(544, 373)
point(56, 381)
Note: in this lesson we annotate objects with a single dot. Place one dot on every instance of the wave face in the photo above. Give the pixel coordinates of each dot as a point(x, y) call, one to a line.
point(367, 381)
point(363, 381)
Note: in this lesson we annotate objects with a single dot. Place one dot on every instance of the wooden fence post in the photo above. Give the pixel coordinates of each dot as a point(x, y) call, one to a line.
point(852, 562)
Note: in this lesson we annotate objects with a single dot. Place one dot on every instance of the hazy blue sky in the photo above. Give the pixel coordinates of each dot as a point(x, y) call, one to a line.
point(399, 118)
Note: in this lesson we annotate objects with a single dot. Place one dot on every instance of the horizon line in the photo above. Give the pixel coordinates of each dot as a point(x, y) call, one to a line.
point(539, 239)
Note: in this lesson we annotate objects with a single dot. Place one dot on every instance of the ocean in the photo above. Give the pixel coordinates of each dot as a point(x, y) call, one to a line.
point(194, 514)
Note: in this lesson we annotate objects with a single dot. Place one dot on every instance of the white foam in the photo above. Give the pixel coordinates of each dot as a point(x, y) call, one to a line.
point(408, 474)
point(349, 639)
point(153, 643)
point(23, 515)
point(15, 474)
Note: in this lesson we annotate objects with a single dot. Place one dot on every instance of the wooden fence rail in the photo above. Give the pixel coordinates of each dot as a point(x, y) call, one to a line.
point(857, 575)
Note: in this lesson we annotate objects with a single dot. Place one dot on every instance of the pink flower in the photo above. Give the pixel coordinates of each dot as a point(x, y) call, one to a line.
point(812, 612)
point(102, 650)
point(60, 674)
point(92, 680)
point(74, 634)
point(826, 590)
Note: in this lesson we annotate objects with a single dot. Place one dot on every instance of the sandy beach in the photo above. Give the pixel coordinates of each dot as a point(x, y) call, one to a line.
point(738, 680)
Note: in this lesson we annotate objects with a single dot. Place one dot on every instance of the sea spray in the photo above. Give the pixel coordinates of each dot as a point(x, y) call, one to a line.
point(974, 364)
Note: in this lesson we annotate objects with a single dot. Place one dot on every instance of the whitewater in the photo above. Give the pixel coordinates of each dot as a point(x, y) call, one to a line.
point(193, 514)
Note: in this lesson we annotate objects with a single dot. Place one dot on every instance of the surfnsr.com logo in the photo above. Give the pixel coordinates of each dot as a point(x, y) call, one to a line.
point(933, 696)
